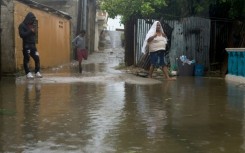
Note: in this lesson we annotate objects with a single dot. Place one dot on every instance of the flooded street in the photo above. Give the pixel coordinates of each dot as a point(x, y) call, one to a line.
point(190, 115)
point(105, 110)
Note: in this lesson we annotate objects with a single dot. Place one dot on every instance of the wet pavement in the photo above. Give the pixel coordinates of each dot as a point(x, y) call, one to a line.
point(105, 110)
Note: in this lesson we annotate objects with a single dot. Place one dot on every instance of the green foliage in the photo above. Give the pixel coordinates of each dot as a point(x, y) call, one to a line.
point(232, 9)
point(174, 9)
point(237, 10)
point(129, 8)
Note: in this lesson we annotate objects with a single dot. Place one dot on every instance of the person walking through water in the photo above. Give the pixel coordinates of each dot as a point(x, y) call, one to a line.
point(156, 41)
point(27, 31)
point(79, 43)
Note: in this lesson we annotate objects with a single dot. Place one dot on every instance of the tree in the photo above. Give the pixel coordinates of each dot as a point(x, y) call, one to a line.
point(172, 9)
point(228, 9)
point(131, 8)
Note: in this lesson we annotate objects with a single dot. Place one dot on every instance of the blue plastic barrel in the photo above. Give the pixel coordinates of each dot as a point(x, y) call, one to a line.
point(240, 64)
point(199, 70)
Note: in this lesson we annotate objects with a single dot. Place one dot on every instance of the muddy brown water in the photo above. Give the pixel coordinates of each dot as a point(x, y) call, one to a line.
point(104, 110)
point(106, 115)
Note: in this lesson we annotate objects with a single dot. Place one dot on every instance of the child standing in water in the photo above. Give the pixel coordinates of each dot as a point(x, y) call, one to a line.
point(79, 43)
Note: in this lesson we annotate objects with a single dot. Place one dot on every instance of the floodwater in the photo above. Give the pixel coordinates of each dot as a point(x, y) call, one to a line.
point(190, 115)
point(106, 111)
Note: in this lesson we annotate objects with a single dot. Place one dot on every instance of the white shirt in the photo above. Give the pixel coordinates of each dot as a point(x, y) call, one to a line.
point(158, 43)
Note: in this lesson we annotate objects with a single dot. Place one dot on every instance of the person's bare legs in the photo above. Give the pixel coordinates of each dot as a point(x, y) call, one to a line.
point(165, 72)
point(151, 71)
point(80, 66)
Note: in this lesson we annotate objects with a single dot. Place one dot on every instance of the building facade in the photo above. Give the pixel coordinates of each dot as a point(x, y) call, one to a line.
point(53, 43)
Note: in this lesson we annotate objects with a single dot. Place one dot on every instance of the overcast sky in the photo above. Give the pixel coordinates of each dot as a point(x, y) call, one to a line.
point(114, 24)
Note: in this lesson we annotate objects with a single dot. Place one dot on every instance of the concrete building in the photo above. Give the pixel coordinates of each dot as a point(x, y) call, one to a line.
point(80, 13)
point(68, 6)
point(100, 26)
point(53, 41)
point(83, 13)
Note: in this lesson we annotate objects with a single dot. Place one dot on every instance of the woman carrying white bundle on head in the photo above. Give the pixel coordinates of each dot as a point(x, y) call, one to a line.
point(156, 41)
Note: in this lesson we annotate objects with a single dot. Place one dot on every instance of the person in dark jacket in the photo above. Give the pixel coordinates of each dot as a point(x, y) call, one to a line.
point(27, 31)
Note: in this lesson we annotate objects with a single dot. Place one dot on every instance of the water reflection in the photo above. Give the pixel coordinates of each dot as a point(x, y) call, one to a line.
point(197, 115)
point(105, 118)
point(31, 106)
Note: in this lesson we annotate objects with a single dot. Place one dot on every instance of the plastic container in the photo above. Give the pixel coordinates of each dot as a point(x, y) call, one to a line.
point(199, 70)
point(240, 65)
point(185, 69)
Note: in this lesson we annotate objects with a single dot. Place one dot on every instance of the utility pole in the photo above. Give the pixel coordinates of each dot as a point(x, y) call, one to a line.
point(79, 15)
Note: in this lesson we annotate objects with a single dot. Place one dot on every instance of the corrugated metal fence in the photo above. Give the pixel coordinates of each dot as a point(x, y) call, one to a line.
point(190, 37)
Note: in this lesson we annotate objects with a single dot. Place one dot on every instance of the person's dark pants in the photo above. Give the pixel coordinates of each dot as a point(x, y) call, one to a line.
point(30, 50)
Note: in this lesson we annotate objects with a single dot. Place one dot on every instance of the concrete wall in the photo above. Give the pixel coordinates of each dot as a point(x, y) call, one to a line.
point(8, 64)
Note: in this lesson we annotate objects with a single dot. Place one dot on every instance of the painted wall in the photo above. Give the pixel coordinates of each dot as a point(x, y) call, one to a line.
point(68, 6)
point(53, 36)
